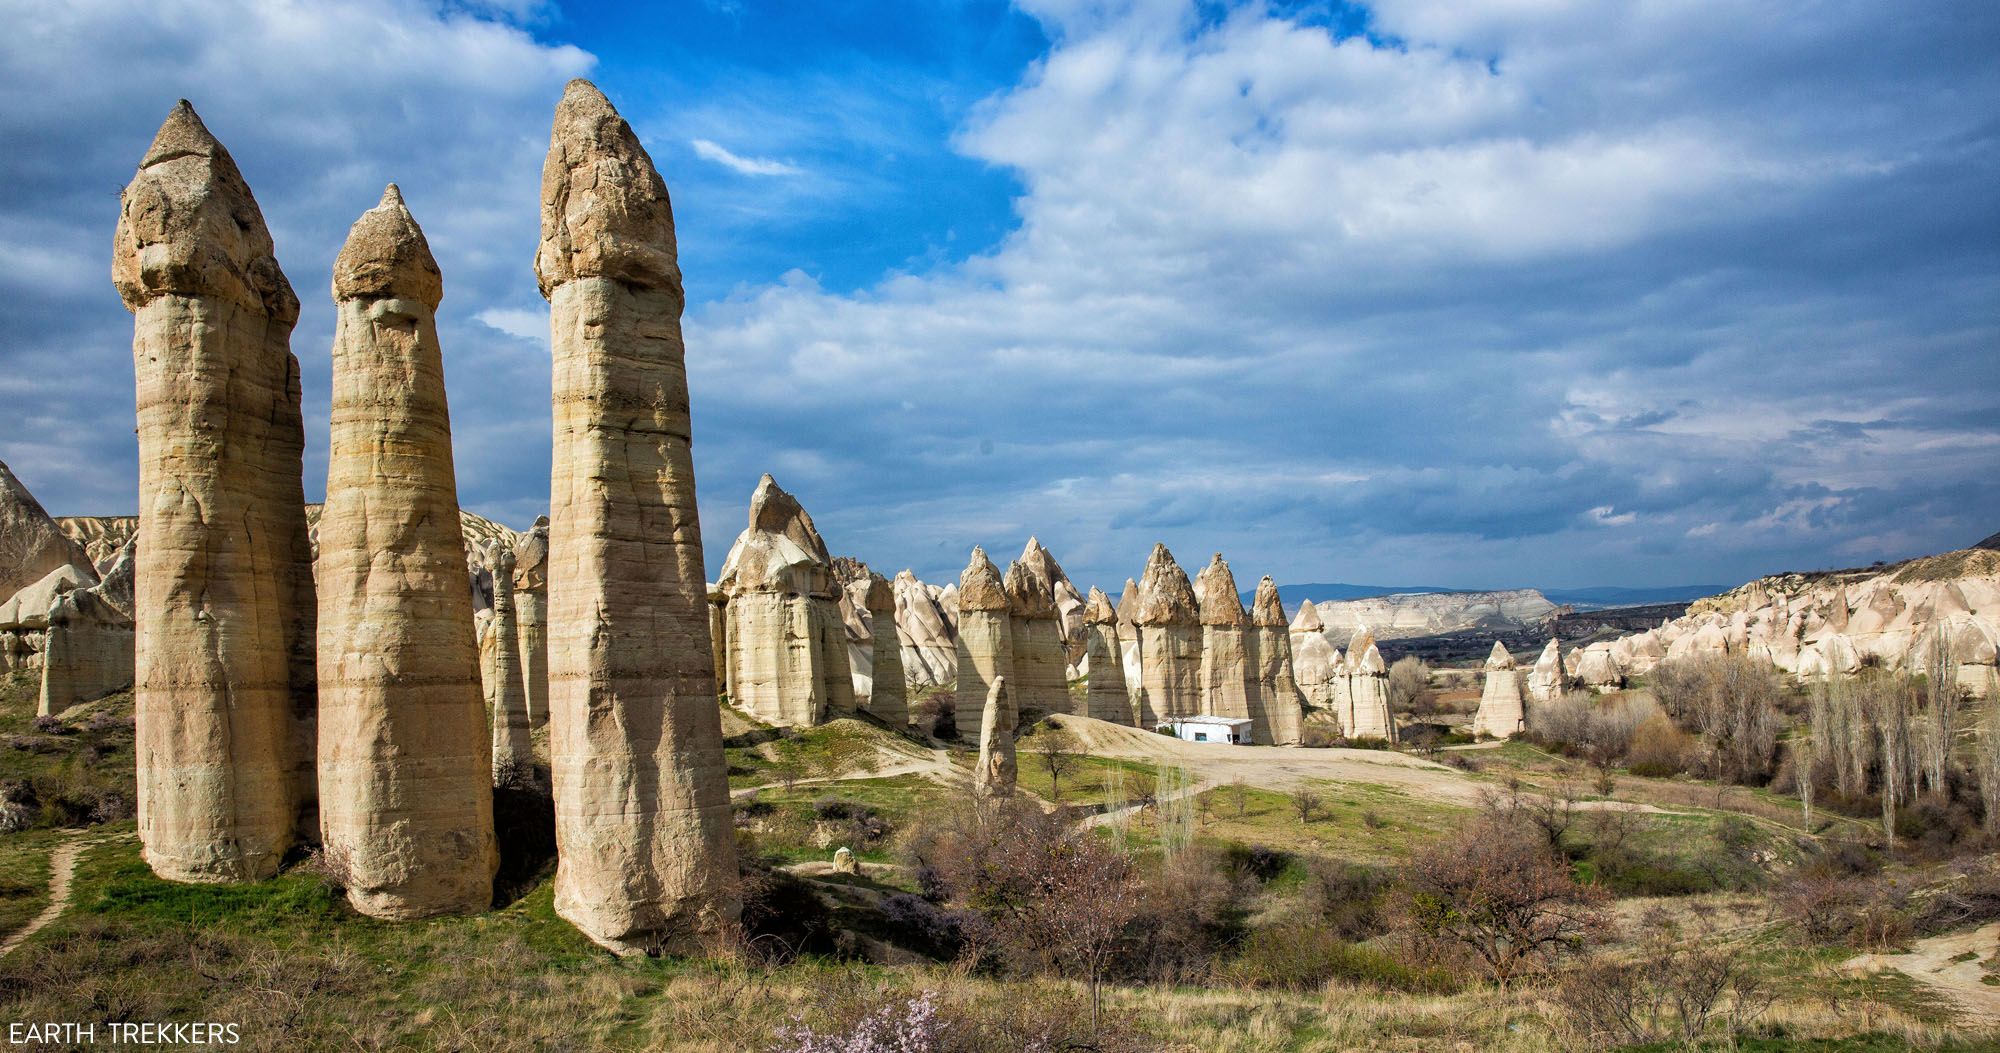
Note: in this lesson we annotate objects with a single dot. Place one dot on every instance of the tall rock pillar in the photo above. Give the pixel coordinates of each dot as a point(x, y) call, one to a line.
point(889, 698)
point(1228, 669)
point(224, 602)
point(1501, 714)
point(1279, 706)
point(406, 801)
point(1039, 681)
point(996, 772)
point(531, 616)
point(1106, 698)
point(647, 858)
point(1169, 619)
point(1128, 642)
point(985, 642)
point(1368, 690)
point(513, 753)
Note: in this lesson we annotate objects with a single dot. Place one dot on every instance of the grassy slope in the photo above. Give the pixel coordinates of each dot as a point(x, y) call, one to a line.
point(301, 971)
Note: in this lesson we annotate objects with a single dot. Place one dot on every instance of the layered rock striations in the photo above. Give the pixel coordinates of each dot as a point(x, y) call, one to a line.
point(531, 616)
point(787, 647)
point(1169, 621)
point(994, 777)
point(647, 856)
point(513, 731)
point(1228, 668)
point(1105, 695)
point(224, 669)
point(1278, 708)
point(1038, 681)
point(31, 544)
point(406, 799)
point(1367, 690)
point(1502, 713)
point(985, 642)
point(888, 690)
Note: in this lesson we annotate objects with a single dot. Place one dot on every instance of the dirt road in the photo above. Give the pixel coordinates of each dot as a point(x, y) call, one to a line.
point(1952, 965)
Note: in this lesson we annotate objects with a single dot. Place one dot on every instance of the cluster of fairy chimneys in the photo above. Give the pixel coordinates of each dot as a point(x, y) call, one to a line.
point(351, 711)
point(64, 618)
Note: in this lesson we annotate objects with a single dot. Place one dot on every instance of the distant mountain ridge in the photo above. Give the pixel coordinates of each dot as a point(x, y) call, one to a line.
point(1586, 598)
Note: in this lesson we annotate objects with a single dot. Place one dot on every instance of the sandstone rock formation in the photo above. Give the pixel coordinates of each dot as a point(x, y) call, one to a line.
point(1368, 690)
point(224, 663)
point(1128, 641)
point(1404, 615)
point(1106, 697)
point(1501, 712)
point(788, 657)
point(100, 537)
point(929, 631)
point(994, 777)
point(1833, 624)
point(985, 644)
point(513, 732)
point(31, 544)
point(406, 799)
point(1316, 662)
point(1228, 671)
point(889, 691)
point(1169, 620)
point(87, 648)
point(844, 863)
point(531, 616)
point(1037, 682)
point(1550, 678)
point(1598, 670)
point(1278, 708)
point(647, 855)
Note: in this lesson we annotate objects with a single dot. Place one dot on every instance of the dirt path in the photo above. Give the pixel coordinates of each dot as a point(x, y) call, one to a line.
point(935, 763)
point(1934, 963)
point(62, 871)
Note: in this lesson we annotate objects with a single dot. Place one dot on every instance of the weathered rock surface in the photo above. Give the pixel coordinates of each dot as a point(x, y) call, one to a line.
point(1169, 620)
point(1368, 690)
point(100, 537)
point(647, 855)
point(1278, 708)
point(1129, 653)
point(1106, 697)
point(31, 544)
point(1038, 682)
point(994, 777)
point(224, 665)
point(87, 648)
point(406, 798)
point(1228, 670)
point(1316, 662)
point(985, 643)
point(1550, 678)
point(788, 656)
point(888, 690)
point(1501, 712)
point(1432, 613)
point(513, 732)
point(531, 616)
point(929, 632)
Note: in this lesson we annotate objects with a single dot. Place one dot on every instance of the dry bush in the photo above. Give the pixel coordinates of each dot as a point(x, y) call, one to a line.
point(1500, 899)
point(1679, 987)
point(1658, 748)
point(1579, 724)
point(1850, 911)
point(853, 1015)
point(1410, 687)
point(1736, 704)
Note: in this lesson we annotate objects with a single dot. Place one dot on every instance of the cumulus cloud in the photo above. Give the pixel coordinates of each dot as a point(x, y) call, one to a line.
point(752, 166)
point(1484, 294)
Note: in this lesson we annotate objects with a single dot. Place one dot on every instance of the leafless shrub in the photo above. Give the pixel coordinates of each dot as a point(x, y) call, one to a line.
point(1505, 902)
point(1678, 987)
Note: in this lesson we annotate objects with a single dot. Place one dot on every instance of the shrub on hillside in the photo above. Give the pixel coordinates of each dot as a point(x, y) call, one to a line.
point(1306, 956)
point(1410, 687)
point(1658, 749)
point(1736, 704)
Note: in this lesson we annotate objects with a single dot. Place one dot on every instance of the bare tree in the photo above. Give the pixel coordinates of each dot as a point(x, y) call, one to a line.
point(1941, 698)
point(1507, 901)
point(1057, 752)
point(1306, 801)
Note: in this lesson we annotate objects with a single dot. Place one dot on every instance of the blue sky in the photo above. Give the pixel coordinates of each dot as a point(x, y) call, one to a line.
point(1484, 293)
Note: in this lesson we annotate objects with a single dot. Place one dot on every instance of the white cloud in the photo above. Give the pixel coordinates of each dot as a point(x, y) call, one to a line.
point(754, 166)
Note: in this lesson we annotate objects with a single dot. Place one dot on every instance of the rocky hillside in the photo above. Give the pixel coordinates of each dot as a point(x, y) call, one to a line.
point(1437, 613)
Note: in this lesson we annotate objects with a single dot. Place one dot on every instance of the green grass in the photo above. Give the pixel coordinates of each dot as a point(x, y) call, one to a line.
point(843, 747)
point(786, 827)
point(24, 876)
point(1357, 821)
